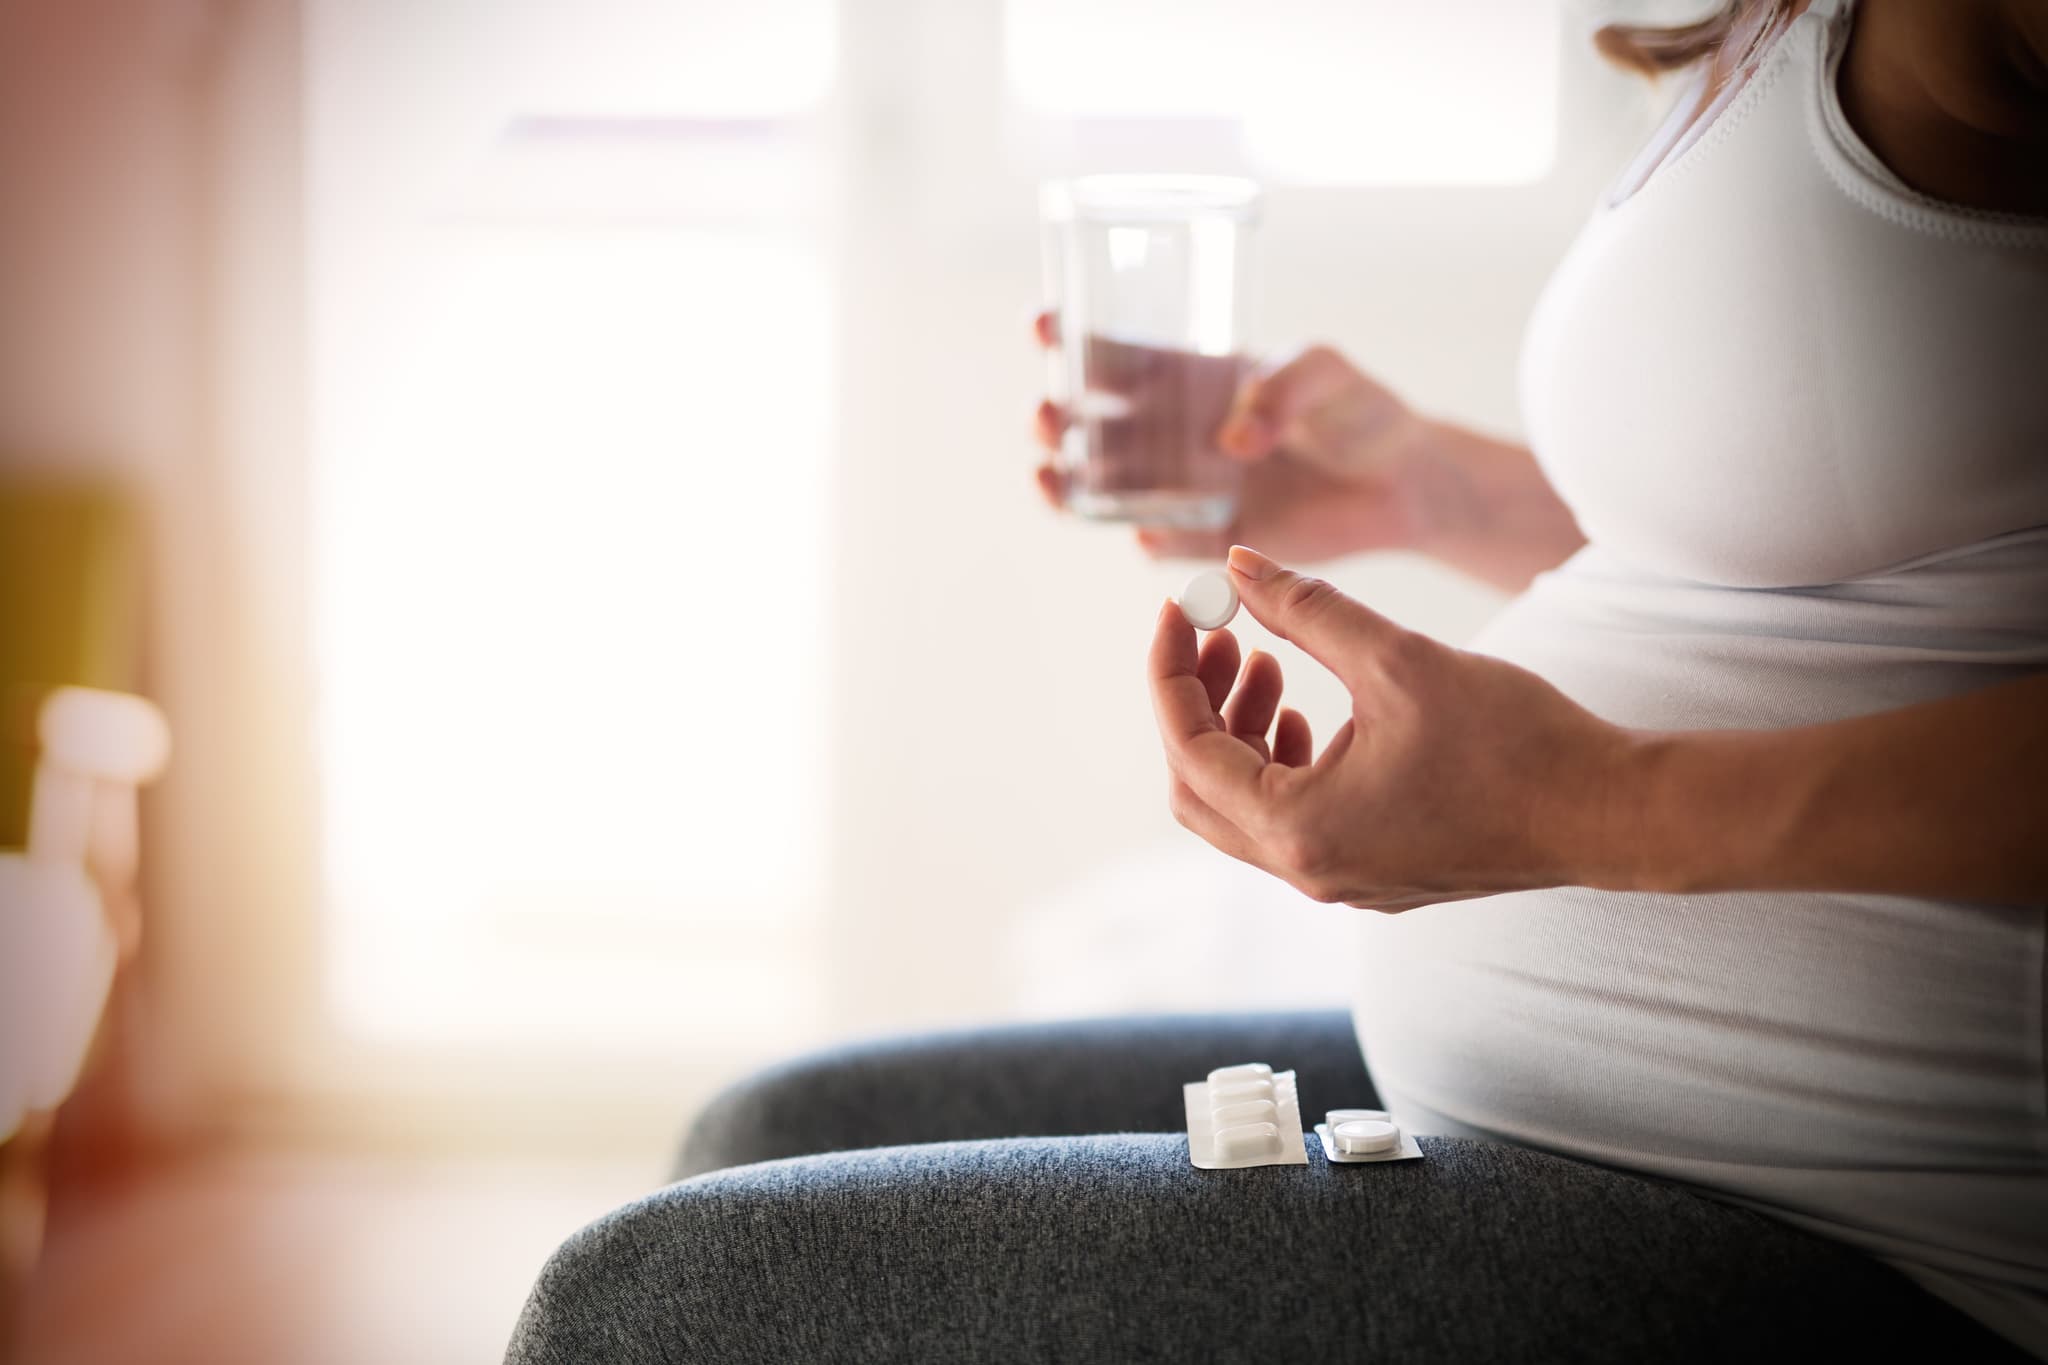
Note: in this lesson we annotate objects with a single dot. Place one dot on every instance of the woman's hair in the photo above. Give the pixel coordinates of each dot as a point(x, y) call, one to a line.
point(1653, 50)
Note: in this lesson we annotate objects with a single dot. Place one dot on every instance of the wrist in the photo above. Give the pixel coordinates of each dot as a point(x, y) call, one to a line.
point(1643, 855)
point(1690, 812)
point(1619, 837)
point(1439, 498)
point(1482, 505)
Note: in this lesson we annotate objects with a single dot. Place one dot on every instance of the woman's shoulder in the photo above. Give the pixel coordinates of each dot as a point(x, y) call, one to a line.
point(1953, 97)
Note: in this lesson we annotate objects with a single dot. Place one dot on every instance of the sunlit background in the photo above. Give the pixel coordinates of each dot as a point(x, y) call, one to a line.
point(574, 458)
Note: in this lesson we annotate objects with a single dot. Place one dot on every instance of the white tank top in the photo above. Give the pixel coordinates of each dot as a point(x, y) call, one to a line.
point(1802, 414)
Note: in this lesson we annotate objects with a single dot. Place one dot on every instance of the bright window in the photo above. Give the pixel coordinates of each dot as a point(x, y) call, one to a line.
point(572, 379)
point(1301, 91)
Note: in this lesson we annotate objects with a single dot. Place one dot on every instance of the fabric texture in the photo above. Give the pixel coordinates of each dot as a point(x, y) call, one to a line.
point(1062, 1246)
point(1799, 411)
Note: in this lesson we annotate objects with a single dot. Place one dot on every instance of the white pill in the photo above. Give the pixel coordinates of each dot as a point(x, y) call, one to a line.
point(1363, 1136)
point(1250, 1111)
point(1241, 1093)
point(1246, 1141)
point(1244, 1071)
point(1337, 1116)
point(1209, 600)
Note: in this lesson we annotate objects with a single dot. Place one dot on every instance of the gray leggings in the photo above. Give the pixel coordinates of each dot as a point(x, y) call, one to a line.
point(1024, 1194)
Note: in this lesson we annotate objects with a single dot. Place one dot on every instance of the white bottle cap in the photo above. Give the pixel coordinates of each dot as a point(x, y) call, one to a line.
point(1209, 600)
point(1362, 1136)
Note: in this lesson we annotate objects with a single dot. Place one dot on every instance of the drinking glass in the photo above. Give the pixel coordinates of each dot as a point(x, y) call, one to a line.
point(1149, 279)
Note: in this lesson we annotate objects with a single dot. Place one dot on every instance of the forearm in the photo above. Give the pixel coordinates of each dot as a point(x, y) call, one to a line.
point(1945, 799)
point(1488, 510)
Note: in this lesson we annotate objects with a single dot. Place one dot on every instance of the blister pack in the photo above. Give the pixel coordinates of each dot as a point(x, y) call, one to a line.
point(1351, 1135)
point(1244, 1115)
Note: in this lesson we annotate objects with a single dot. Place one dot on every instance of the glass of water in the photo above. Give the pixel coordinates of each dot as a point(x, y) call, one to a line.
point(1149, 277)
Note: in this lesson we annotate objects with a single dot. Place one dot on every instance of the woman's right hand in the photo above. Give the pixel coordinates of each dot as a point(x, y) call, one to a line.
point(1335, 462)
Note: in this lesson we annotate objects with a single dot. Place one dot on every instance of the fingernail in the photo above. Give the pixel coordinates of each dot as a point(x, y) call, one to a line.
point(1249, 562)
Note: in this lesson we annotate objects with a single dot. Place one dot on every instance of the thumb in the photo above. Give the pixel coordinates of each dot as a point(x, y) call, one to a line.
point(1276, 398)
point(1338, 632)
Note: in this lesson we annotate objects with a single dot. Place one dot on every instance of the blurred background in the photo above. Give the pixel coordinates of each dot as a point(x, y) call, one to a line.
point(563, 472)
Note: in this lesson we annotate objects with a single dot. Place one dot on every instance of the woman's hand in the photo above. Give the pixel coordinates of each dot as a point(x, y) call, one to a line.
point(1333, 455)
point(1457, 775)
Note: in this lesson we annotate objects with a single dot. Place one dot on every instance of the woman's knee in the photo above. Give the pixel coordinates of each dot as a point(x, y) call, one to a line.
point(914, 1088)
point(581, 1308)
point(1013, 1250)
point(635, 1287)
point(782, 1110)
point(877, 1093)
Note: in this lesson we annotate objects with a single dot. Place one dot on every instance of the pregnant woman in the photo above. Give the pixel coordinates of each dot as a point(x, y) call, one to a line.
point(1725, 1020)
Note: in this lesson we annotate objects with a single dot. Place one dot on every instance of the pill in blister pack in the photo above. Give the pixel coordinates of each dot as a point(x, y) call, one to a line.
point(1351, 1135)
point(1245, 1115)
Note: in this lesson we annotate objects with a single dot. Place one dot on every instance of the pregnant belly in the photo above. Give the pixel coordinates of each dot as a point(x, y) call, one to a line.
point(1734, 1040)
point(1665, 653)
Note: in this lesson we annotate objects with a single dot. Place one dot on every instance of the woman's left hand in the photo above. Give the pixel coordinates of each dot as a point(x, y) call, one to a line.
point(1457, 775)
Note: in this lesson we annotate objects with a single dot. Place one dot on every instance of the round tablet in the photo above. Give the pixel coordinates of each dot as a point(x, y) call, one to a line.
point(1363, 1136)
point(1337, 1116)
point(1209, 600)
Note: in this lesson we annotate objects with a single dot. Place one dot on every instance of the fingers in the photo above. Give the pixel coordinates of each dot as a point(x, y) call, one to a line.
point(1270, 401)
point(1218, 768)
point(1339, 632)
point(1293, 744)
point(1180, 699)
point(1197, 815)
point(1049, 424)
point(1249, 712)
point(1340, 744)
point(1216, 666)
